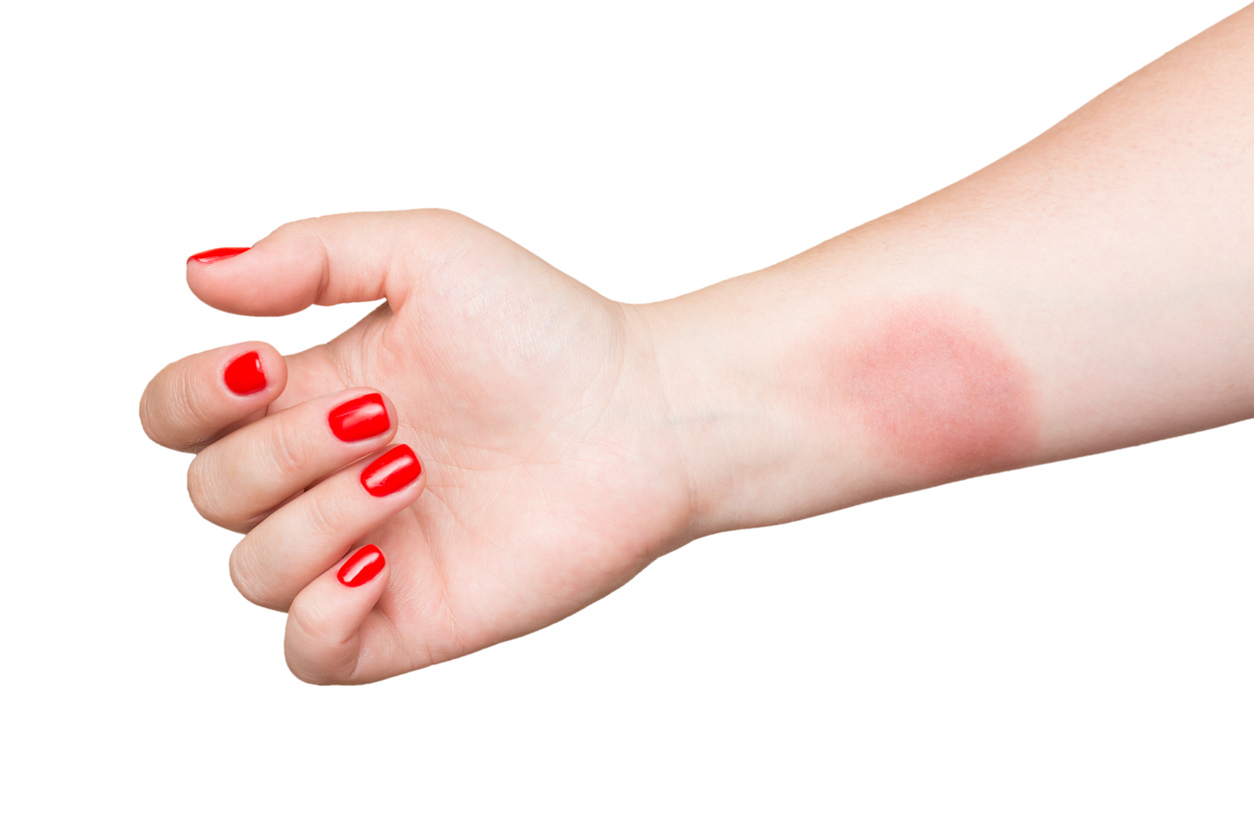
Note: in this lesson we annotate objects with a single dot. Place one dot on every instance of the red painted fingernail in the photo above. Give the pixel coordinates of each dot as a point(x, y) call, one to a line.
point(392, 471)
point(209, 256)
point(359, 418)
point(362, 566)
point(244, 376)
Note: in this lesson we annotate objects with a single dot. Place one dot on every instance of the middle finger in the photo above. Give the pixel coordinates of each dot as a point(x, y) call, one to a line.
point(241, 478)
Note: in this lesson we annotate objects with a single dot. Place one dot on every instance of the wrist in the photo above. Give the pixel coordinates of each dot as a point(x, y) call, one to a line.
point(829, 380)
point(725, 365)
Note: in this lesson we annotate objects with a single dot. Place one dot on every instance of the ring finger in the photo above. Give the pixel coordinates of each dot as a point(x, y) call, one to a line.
point(239, 479)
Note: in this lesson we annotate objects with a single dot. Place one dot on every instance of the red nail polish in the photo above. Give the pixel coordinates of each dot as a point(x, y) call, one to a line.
point(362, 566)
point(359, 418)
point(392, 471)
point(244, 376)
point(209, 256)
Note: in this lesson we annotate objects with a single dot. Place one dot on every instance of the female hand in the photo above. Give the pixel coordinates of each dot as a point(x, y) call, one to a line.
point(1087, 292)
point(548, 477)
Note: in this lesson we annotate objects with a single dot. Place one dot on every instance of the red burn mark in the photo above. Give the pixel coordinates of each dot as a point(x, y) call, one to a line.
point(940, 393)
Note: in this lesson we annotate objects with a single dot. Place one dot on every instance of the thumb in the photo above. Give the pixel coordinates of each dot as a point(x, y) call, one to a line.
point(323, 261)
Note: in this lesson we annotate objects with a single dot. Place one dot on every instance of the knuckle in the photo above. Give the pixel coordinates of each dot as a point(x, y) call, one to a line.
point(326, 517)
point(309, 626)
point(304, 674)
point(311, 675)
point(185, 403)
point(202, 490)
point(146, 418)
point(303, 235)
point(444, 224)
point(246, 577)
point(169, 407)
point(295, 229)
point(214, 498)
point(287, 448)
point(325, 661)
point(440, 215)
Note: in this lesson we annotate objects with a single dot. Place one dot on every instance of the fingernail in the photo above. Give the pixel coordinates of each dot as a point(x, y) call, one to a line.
point(244, 376)
point(220, 253)
point(362, 566)
point(359, 418)
point(390, 472)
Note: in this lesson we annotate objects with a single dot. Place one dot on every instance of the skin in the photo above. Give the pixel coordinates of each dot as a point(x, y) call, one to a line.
point(1090, 291)
point(937, 392)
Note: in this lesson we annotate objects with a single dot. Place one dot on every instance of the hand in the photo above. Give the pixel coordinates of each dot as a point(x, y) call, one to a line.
point(549, 475)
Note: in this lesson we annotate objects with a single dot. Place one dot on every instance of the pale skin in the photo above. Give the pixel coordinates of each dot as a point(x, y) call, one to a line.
point(1092, 290)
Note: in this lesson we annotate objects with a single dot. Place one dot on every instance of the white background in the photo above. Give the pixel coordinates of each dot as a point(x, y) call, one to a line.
point(1061, 649)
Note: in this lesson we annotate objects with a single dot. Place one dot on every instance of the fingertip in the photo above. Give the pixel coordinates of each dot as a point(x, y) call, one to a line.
point(278, 275)
point(363, 566)
point(255, 371)
point(363, 415)
point(197, 398)
point(398, 471)
point(394, 416)
point(217, 276)
point(216, 254)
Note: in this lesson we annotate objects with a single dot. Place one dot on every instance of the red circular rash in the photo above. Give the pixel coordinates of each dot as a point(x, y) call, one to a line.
point(940, 393)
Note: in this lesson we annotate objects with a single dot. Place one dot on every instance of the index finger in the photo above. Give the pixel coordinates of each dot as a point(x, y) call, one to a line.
point(193, 401)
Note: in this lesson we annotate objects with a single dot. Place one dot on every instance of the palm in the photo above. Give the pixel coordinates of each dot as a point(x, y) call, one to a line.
point(511, 382)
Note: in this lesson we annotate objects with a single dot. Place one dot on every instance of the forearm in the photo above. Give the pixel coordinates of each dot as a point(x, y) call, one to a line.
point(1090, 291)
